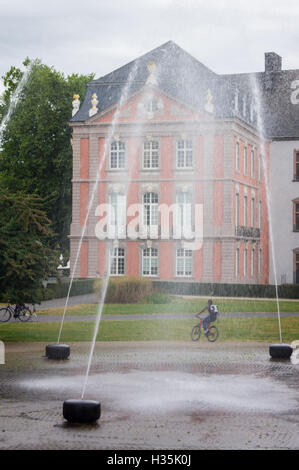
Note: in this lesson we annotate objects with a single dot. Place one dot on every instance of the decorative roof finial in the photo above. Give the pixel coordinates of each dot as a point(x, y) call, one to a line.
point(76, 104)
point(209, 105)
point(94, 109)
point(152, 68)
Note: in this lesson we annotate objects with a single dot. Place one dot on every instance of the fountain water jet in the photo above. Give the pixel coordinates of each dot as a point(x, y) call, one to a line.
point(280, 350)
point(87, 411)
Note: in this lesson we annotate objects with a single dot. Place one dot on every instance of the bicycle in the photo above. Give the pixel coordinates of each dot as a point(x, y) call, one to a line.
point(22, 312)
point(211, 335)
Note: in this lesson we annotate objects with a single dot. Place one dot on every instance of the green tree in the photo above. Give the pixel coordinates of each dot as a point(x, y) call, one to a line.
point(27, 247)
point(36, 153)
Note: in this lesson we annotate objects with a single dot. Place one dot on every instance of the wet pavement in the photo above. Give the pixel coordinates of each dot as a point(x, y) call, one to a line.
point(154, 395)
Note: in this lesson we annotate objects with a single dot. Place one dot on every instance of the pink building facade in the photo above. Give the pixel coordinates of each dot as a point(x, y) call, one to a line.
point(157, 151)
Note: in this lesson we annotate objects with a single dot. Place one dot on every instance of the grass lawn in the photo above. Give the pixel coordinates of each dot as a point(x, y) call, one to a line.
point(181, 306)
point(239, 329)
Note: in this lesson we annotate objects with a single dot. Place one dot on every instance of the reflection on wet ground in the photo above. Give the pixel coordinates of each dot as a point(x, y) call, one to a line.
point(154, 395)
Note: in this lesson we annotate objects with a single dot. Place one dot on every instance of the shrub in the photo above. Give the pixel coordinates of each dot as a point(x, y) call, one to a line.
point(125, 290)
point(290, 291)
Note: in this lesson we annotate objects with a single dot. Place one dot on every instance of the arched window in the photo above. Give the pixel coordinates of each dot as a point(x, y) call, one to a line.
point(150, 209)
point(117, 155)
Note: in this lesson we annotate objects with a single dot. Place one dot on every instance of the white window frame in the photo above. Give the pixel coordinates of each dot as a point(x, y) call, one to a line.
point(245, 158)
point(237, 156)
point(252, 269)
point(150, 209)
point(260, 215)
point(237, 214)
point(117, 261)
point(237, 263)
point(117, 155)
point(151, 255)
point(183, 213)
point(150, 154)
point(252, 163)
point(183, 258)
point(117, 213)
point(245, 262)
point(252, 212)
point(184, 147)
point(259, 264)
point(245, 210)
point(260, 163)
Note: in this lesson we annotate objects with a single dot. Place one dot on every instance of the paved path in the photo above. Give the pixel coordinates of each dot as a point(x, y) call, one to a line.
point(92, 299)
point(176, 395)
point(151, 316)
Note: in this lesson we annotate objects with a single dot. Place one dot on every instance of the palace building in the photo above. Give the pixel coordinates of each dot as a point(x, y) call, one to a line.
point(175, 168)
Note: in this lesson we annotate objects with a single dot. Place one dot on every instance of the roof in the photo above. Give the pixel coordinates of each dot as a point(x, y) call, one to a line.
point(183, 77)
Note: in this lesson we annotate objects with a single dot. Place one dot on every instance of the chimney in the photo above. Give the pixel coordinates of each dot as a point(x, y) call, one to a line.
point(273, 62)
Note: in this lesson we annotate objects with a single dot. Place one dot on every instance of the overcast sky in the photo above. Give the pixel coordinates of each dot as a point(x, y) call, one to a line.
point(228, 36)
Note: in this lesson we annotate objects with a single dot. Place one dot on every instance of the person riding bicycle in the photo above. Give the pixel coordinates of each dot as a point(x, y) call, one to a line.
point(212, 315)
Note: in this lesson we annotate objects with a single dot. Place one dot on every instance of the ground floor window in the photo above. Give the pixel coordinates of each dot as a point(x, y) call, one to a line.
point(296, 267)
point(296, 215)
point(252, 262)
point(183, 262)
point(237, 267)
point(259, 263)
point(117, 261)
point(150, 262)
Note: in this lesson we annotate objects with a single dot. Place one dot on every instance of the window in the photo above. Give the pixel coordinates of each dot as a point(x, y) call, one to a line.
point(117, 261)
point(252, 262)
point(259, 261)
point(183, 262)
point(117, 210)
point(296, 266)
point(252, 212)
point(245, 211)
point(237, 209)
point(237, 156)
point(252, 165)
point(183, 212)
point(260, 215)
point(117, 155)
point(151, 154)
point(237, 267)
point(184, 154)
point(260, 165)
point(245, 263)
point(296, 165)
point(245, 160)
point(150, 209)
point(152, 105)
point(296, 215)
point(150, 262)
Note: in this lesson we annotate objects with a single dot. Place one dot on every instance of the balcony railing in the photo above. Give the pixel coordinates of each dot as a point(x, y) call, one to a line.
point(247, 232)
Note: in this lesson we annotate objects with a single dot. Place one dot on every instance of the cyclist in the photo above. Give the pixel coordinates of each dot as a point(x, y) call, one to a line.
point(212, 310)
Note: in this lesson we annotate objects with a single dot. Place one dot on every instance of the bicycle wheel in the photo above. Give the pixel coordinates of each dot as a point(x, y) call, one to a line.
point(4, 314)
point(213, 334)
point(195, 333)
point(24, 314)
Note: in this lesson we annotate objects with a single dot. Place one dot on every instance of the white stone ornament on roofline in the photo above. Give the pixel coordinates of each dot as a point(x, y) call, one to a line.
point(152, 78)
point(209, 107)
point(76, 104)
point(94, 101)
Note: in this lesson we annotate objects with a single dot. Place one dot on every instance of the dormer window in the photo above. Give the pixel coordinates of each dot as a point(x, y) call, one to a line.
point(150, 106)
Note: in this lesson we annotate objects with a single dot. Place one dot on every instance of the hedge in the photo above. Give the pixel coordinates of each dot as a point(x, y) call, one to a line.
point(60, 288)
point(289, 291)
point(126, 289)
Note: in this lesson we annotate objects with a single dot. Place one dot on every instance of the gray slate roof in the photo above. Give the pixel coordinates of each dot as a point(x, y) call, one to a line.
point(186, 79)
